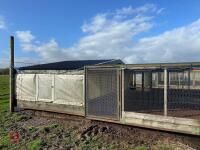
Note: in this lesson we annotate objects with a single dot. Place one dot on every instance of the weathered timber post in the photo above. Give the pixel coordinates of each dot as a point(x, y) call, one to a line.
point(11, 74)
point(165, 91)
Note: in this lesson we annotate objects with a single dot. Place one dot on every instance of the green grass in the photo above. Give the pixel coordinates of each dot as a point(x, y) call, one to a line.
point(141, 148)
point(32, 129)
point(163, 146)
point(4, 142)
point(4, 93)
point(35, 144)
point(6, 119)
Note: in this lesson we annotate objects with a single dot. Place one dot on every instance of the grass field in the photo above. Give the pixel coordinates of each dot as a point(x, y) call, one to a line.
point(4, 93)
point(43, 133)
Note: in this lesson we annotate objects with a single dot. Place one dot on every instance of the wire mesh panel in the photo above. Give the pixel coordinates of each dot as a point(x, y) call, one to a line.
point(102, 93)
point(143, 91)
point(184, 94)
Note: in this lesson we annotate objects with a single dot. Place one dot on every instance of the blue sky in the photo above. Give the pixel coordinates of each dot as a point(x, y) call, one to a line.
point(134, 31)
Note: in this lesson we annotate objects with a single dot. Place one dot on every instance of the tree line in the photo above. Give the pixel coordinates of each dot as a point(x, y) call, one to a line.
point(4, 71)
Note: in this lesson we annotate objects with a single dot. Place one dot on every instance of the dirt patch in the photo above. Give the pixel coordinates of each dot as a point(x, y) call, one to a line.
point(133, 136)
point(124, 137)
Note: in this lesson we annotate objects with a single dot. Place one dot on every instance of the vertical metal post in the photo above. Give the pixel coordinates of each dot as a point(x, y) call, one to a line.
point(189, 79)
point(151, 82)
point(142, 81)
point(134, 79)
point(11, 74)
point(165, 91)
point(168, 80)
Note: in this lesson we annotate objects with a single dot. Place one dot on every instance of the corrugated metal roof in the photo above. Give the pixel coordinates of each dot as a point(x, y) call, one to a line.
point(70, 65)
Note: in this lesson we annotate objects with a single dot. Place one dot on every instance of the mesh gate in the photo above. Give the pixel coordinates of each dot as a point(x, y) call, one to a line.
point(102, 93)
point(184, 94)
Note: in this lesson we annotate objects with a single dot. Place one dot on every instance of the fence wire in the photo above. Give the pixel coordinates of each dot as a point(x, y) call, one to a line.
point(101, 93)
point(144, 92)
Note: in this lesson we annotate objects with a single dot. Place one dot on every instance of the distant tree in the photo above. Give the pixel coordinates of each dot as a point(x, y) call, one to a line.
point(4, 71)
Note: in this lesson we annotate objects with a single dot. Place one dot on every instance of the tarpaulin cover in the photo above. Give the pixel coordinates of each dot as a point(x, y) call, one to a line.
point(69, 89)
point(45, 87)
point(26, 87)
point(60, 89)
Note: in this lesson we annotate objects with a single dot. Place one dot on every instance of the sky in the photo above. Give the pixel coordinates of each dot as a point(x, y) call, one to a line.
point(134, 31)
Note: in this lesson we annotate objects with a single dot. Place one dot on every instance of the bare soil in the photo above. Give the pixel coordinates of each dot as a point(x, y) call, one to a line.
point(125, 137)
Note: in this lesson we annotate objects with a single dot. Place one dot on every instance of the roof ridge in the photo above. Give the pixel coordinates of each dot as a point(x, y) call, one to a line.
point(68, 65)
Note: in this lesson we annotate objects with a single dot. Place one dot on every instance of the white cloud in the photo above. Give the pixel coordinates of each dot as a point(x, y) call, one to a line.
point(26, 40)
point(180, 44)
point(2, 23)
point(98, 22)
point(148, 8)
point(51, 51)
point(107, 34)
point(112, 35)
point(25, 36)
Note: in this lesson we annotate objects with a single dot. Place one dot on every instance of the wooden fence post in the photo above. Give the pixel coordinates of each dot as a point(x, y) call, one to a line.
point(11, 74)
